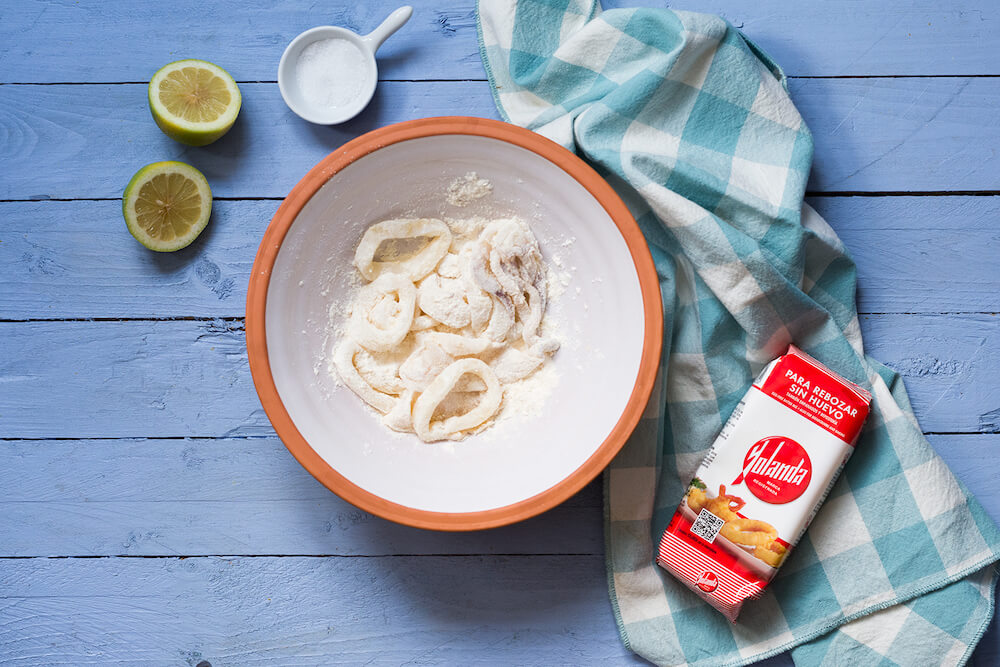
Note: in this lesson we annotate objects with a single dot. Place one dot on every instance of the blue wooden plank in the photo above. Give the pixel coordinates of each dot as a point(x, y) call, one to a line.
point(107, 131)
point(76, 259)
point(943, 362)
point(250, 497)
point(884, 38)
point(242, 496)
point(190, 378)
point(901, 134)
point(307, 611)
point(317, 611)
point(871, 135)
point(55, 42)
point(920, 254)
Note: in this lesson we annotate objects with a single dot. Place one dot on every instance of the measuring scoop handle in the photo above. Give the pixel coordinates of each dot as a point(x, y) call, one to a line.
point(391, 24)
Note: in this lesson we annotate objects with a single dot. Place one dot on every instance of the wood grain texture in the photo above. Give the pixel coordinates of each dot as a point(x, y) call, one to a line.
point(871, 135)
point(250, 497)
point(463, 610)
point(191, 378)
point(307, 611)
point(901, 134)
point(229, 496)
point(818, 38)
point(75, 259)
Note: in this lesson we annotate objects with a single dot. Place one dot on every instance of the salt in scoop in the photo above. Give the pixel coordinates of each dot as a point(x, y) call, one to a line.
point(328, 74)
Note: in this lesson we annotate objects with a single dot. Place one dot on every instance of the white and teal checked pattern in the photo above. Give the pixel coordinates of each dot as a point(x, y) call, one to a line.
point(693, 126)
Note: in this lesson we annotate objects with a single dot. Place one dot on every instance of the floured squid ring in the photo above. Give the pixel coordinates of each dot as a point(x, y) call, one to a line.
point(399, 418)
point(384, 310)
point(450, 266)
point(480, 303)
point(438, 390)
point(444, 300)
point(435, 351)
point(413, 267)
point(422, 322)
point(514, 258)
point(423, 365)
point(455, 344)
point(343, 359)
point(379, 372)
point(501, 318)
point(530, 312)
point(512, 365)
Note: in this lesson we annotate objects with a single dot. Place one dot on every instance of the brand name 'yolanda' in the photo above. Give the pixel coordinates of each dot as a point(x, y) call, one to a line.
point(765, 466)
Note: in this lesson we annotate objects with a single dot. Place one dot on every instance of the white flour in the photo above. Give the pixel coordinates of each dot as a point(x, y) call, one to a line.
point(466, 189)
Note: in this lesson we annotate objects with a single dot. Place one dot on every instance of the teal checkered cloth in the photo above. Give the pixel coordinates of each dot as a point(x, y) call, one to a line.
point(693, 126)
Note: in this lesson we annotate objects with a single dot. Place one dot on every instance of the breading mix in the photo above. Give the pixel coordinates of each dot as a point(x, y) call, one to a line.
point(762, 482)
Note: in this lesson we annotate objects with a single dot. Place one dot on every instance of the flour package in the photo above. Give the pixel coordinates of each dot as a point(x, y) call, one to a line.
point(762, 482)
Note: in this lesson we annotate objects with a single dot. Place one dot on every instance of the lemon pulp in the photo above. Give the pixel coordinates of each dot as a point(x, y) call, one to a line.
point(194, 101)
point(167, 205)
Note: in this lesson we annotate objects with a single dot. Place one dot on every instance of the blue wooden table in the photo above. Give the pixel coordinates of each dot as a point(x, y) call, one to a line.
point(148, 514)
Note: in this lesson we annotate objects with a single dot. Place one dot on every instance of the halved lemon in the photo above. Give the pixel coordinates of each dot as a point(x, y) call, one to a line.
point(166, 205)
point(193, 101)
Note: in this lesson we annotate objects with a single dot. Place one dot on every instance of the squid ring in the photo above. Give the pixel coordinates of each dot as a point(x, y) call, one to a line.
point(381, 375)
point(772, 554)
point(456, 345)
point(414, 267)
point(749, 532)
point(343, 359)
point(383, 313)
point(501, 319)
point(480, 304)
point(444, 299)
point(452, 427)
point(398, 419)
point(531, 312)
point(422, 322)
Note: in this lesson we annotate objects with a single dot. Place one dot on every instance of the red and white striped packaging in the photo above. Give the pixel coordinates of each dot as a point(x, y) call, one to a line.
point(762, 482)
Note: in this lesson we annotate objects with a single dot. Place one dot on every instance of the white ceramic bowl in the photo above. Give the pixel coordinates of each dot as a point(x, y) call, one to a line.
point(609, 316)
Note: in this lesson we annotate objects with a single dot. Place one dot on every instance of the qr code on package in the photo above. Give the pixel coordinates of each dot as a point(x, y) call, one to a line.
point(707, 526)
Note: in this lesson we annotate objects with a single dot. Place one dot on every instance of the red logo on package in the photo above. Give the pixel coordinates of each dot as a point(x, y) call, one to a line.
point(707, 581)
point(777, 470)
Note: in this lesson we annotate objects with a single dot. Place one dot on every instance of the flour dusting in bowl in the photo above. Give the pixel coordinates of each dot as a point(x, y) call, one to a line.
point(450, 322)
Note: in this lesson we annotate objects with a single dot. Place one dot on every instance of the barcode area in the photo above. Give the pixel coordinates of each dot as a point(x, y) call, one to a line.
point(707, 526)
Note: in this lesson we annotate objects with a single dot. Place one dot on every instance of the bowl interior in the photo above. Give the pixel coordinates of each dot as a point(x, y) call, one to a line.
point(599, 317)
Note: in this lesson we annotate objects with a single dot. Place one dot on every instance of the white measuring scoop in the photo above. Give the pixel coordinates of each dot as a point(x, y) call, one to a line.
point(327, 74)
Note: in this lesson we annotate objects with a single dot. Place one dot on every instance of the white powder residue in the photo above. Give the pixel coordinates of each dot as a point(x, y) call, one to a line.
point(466, 189)
point(526, 397)
point(331, 73)
point(465, 230)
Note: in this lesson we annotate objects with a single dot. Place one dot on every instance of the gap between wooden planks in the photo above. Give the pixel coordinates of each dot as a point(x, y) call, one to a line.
point(877, 135)
point(247, 38)
point(74, 260)
point(249, 497)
